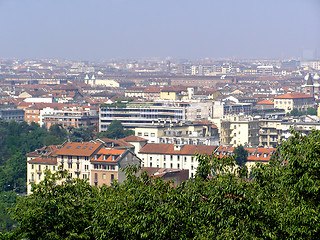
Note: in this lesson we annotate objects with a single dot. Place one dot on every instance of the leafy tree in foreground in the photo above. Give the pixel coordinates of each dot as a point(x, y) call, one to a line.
point(282, 201)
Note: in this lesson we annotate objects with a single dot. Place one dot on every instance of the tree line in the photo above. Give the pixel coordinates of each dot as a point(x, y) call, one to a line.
point(279, 200)
point(17, 139)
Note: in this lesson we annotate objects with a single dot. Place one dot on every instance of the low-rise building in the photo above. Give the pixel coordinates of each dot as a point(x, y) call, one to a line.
point(289, 101)
point(9, 112)
point(69, 116)
point(198, 133)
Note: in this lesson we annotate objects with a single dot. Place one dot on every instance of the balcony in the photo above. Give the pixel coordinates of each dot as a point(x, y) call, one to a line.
point(78, 171)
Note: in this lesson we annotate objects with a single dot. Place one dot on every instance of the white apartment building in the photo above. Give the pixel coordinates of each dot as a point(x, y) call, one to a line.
point(173, 156)
point(180, 133)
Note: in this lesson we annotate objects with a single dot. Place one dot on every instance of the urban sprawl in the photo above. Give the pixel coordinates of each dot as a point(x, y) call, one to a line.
point(176, 108)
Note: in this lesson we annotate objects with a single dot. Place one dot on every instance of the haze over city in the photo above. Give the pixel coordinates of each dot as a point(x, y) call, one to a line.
point(101, 30)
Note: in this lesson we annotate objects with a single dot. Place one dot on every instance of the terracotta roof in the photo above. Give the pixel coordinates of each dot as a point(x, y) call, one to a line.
point(44, 151)
point(106, 155)
point(47, 160)
point(115, 143)
point(134, 139)
point(265, 102)
point(293, 95)
point(169, 149)
point(79, 149)
point(256, 154)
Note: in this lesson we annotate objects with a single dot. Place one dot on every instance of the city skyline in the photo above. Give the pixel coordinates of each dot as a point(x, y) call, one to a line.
point(102, 30)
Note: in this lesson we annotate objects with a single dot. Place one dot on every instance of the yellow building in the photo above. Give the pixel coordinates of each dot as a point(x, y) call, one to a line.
point(289, 101)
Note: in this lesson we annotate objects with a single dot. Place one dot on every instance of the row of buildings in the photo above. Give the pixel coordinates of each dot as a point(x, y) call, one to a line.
point(103, 160)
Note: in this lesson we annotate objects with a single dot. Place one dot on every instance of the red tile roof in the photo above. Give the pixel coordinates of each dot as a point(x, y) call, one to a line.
point(46, 160)
point(265, 102)
point(293, 95)
point(108, 153)
point(134, 139)
point(169, 149)
point(79, 149)
point(256, 154)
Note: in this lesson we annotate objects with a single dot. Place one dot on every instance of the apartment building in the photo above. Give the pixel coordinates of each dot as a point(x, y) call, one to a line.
point(107, 166)
point(201, 133)
point(273, 132)
point(9, 112)
point(236, 130)
point(221, 108)
point(88, 160)
point(290, 101)
point(173, 156)
point(69, 116)
point(38, 162)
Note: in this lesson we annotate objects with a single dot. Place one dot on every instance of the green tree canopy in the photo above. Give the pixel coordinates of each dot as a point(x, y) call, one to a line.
point(282, 201)
point(115, 130)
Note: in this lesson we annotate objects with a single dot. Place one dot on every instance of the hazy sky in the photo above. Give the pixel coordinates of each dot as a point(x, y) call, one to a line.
point(104, 29)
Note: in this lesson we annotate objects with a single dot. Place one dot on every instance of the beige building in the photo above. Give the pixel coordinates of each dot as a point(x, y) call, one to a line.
point(89, 160)
point(107, 166)
point(289, 101)
point(38, 162)
point(236, 130)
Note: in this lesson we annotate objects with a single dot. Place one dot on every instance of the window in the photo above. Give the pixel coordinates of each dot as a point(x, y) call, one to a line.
point(171, 157)
point(191, 175)
point(112, 177)
point(78, 147)
point(69, 165)
point(164, 165)
point(150, 158)
point(178, 165)
point(153, 134)
point(32, 177)
point(39, 167)
point(84, 176)
point(70, 174)
point(32, 166)
point(39, 176)
point(191, 167)
point(139, 134)
point(86, 167)
point(151, 164)
point(104, 176)
point(78, 166)
point(185, 159)
point(53, 168)
point(171, 165)
point(191, 159)
point(146, 134)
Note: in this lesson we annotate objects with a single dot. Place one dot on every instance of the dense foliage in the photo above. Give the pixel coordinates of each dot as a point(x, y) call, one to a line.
point(296, 112)
point(115, 130)
point(281, 202)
